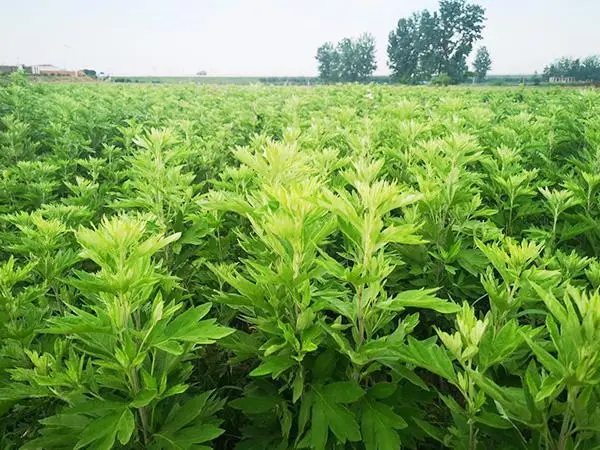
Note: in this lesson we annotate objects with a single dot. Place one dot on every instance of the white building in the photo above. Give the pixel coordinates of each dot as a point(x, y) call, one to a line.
point(562, 80)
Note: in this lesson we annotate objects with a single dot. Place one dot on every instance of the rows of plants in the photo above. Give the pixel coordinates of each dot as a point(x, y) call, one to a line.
point(350, 267)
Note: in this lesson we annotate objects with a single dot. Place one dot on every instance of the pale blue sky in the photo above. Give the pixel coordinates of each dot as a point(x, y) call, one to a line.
point(266, 37)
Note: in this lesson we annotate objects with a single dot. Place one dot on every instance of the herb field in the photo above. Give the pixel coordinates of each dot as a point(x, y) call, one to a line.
point(348, 267)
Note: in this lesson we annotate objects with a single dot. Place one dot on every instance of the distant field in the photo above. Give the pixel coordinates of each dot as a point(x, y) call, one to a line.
point(202, 80)
point(300, 80)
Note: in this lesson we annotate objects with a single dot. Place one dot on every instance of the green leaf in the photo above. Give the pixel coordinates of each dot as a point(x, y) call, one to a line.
point(297, 386)
point(175, 390)
point(306, 403)
point(126, 426)
point(400, 234)
point(172, 347)
point(552, 303)
point(143, 398)
point(432, 431)
point(511, 399)
point(343, 392)
point(319, 426)
point(335, 417)
point(273, 365)
point(254, 403)
point(428, 355)
point(104, 427)
point(196, 434)
point(493, 420)
point(67, 420)
point(407, 373)
point(188, 319)
point(187, 413)
point(548, 361)
point(378, 425)
point(421, 298)
point(382, 390)
point(188, 327)
point(496, 347)
point(551, 387)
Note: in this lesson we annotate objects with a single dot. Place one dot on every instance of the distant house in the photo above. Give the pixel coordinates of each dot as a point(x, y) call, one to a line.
point(562, 80)
point(9, 69)
point(201, 73)
point(43, 70)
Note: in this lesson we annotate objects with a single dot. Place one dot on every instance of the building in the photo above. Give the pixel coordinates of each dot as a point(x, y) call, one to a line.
point(43, 70)
point(9, 69)
point(562, 80)
point(52, 71)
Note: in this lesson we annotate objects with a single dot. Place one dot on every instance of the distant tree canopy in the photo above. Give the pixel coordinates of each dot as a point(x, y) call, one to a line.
point(427, 45)
point(482, 63)
point(587, 69)
point(90, 73)
point(350, 60)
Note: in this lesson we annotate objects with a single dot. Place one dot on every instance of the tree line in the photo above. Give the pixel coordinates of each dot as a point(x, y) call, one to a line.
point(425, 46)
point(433, 47)
point(586, 69)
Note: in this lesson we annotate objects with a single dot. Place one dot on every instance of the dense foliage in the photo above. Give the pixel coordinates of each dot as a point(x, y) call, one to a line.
point(365, 267)
point(429, 44)
point(350, 60)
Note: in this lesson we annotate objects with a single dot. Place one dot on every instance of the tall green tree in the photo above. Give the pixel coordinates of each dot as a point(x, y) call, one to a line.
point(328, 59)
point(429, 44)
point(351, 60)
point(364, 63)
point(460, 25)
point(402, 49)
point(482, 63)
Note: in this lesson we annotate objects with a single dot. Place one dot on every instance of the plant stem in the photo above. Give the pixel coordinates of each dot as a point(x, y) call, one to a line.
point(141, 411)
point(360, 317)
point(471, 435)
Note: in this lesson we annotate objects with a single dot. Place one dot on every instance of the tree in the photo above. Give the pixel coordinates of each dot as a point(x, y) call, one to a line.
point(90, 73)
point(402, 50)
point(350, 60)
point(429, 44)
point(363, 59)
point(482, 63)
point(459, 26)
point(328, 59)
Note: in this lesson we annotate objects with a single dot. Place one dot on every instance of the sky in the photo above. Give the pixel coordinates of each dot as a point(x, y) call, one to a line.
point(267, 37)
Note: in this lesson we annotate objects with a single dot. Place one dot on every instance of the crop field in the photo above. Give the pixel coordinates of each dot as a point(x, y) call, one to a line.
point(342, 267)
